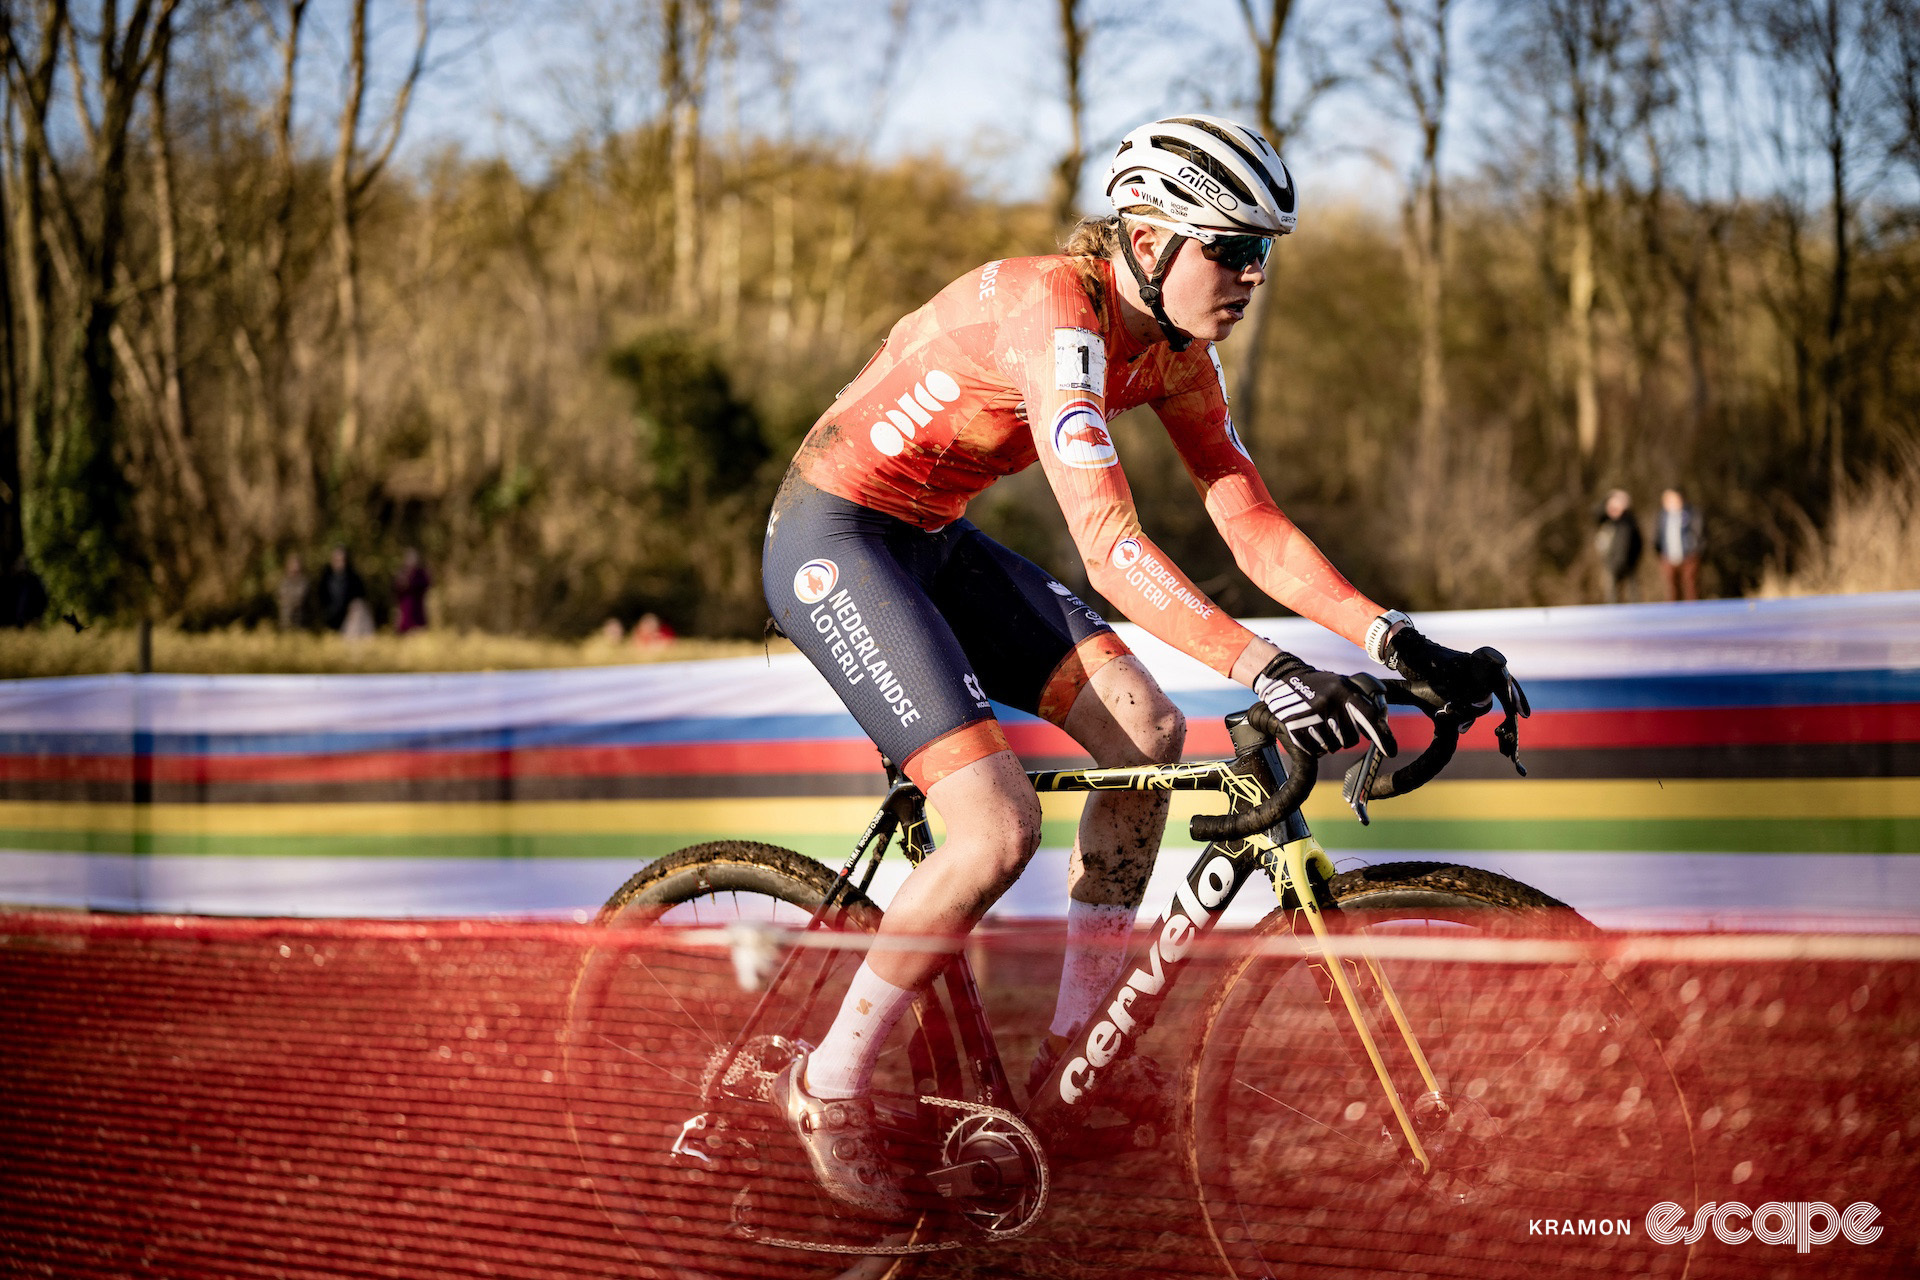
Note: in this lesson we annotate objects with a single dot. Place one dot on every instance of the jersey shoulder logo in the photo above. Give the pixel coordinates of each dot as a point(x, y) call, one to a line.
point(1126, 553)
point(815, 580)
point(1080, 437)
point(1079, 361)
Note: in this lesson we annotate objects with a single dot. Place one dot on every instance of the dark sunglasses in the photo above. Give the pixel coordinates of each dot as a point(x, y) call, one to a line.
point(1237, 253)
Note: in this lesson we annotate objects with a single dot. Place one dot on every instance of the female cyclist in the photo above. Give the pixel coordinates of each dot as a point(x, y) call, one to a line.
point(917, 618)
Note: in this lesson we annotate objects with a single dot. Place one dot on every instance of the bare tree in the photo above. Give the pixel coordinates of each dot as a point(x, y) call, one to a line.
point(29, 72)
point(1825, 44)
point(1901, 18)
point(1075, 29)
point(355, 170)
point(1267, 35)
point(76, 494)
point(687, 30)
point(168, 387)
point(1415, 61)
point(1568, 64)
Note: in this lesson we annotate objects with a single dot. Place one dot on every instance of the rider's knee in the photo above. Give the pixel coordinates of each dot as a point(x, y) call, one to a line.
point(1166, 733)
point(1155, 729)
point(1000, 824)
point(1009, 835)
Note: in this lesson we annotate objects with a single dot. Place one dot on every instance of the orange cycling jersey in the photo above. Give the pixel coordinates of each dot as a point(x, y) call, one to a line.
point(1028, 358)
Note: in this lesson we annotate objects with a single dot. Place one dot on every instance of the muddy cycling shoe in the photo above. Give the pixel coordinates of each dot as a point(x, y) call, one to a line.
point(1136, 1086)
point(842, 1140)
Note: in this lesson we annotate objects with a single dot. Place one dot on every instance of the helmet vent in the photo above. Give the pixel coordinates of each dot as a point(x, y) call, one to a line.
point(1206, 164)
point(1281, 191)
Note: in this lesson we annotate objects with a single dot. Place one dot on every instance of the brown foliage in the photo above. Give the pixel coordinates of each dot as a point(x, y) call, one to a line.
point(503, 425)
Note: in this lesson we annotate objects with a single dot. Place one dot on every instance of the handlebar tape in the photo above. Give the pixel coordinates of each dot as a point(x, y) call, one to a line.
point(1303, 773)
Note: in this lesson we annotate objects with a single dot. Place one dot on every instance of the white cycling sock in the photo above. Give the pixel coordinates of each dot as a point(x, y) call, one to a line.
point(842, 1067)
point(1096, 948)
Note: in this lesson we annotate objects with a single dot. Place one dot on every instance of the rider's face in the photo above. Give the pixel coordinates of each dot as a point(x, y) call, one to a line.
point(1204, 298)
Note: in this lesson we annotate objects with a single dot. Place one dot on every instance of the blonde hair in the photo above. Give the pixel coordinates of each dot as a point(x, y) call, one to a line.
point(1103, 237)
point(1094, 240)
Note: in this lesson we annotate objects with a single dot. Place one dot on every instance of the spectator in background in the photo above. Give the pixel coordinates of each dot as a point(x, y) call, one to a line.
point(358, 624)
point(1678, 542)
point(651, 633)
point(1619, 543)
point(410, 593)
point(293, 595)
point(340, 586)
point(23, 598)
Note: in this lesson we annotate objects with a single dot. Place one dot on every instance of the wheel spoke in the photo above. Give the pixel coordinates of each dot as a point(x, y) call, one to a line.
point(1297, 1111)
point(678, 1003)
point(646, 1061)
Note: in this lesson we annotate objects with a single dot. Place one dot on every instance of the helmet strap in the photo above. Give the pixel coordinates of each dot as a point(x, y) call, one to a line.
point(1150, 288)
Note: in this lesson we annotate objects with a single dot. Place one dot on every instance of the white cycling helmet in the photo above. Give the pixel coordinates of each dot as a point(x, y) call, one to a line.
point(1211, 178)
point(1205, 171)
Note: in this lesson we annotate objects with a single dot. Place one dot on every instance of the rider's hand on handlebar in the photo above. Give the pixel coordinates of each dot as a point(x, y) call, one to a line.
point(1321, 711)
point(1470, 681)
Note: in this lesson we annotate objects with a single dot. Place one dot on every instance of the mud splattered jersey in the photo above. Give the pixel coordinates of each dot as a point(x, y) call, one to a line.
point(1026, 360)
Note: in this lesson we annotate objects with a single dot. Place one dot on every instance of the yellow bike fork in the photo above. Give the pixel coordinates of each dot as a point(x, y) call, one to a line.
point(1293, 860)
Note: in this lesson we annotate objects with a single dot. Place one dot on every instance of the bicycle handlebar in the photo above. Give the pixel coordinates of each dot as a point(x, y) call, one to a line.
point(1363, 781)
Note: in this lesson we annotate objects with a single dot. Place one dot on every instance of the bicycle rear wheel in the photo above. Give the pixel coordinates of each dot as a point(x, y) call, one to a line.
point(651, 1018)
point(1556, 1102)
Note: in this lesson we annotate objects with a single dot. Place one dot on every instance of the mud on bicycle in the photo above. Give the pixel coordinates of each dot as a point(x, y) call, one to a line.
point(1331, 1083)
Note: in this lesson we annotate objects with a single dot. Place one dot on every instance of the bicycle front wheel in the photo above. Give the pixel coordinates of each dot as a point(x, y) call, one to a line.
point(698, 1180)
point(1555, 1102)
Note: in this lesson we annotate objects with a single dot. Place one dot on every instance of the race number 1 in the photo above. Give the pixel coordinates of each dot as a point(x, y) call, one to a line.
point(1079, 361)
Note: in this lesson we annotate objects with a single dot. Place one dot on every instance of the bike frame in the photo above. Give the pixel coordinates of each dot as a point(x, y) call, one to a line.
point(1288, 852)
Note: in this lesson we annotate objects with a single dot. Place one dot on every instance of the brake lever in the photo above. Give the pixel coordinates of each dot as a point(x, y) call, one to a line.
point(1358, 784)
point(1513, 701)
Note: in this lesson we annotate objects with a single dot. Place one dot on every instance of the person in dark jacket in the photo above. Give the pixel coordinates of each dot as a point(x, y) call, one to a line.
point(340, 586)
point(1619, 543)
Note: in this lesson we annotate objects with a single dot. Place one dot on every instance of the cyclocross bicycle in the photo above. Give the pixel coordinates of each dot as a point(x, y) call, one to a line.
point(1328, 1079)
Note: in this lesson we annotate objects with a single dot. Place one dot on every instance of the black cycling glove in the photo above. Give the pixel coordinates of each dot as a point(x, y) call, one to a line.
point(1470, 681)
point(1322, 711)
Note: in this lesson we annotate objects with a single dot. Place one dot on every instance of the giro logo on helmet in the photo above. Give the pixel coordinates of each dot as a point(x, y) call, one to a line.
point(814, 580)
point(929, 396)
point(1209, 188)
point(1080, 436)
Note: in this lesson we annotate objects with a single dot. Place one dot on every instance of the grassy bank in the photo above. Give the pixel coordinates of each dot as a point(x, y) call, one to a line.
point(60, 651)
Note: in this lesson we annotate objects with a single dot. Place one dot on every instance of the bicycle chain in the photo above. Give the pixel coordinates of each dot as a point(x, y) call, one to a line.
point(981, 1236)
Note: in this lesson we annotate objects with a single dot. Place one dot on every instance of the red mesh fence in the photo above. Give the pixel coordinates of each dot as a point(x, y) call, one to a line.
point(194, 1097)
